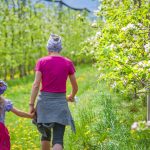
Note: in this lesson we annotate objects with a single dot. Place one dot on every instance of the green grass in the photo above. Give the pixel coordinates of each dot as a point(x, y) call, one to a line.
point(103, 119)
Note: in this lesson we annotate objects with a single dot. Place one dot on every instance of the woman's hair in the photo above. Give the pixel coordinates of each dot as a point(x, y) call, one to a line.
point(2, 101)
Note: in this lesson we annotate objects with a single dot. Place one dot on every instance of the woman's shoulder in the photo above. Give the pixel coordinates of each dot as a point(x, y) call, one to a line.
point(48, 58)
point(43, 58)
point(67, 59)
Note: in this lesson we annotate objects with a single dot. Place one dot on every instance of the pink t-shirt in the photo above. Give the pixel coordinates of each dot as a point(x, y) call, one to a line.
point(55, 71)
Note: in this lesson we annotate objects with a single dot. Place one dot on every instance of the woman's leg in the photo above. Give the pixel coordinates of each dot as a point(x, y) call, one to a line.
point(45, 130)
point(58, 135)
point(57, 147)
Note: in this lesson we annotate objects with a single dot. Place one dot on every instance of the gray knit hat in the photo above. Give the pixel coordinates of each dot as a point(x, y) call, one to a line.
point(54, 43)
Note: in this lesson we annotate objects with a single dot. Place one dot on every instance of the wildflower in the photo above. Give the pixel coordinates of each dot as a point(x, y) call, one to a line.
point(134, 126)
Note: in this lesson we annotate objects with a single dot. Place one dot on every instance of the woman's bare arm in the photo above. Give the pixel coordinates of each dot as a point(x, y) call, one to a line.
point(74, 87)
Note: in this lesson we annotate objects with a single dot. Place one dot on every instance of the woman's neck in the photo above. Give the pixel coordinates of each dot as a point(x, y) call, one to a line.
point(54, 54)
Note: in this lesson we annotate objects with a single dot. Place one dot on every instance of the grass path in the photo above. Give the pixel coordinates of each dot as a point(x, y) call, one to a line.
point(103, 119)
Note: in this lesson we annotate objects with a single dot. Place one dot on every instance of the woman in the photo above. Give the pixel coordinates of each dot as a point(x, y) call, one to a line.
point(52, 109)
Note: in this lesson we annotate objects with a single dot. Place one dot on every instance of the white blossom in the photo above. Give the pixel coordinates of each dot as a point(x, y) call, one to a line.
point(148, 123)
point(72, 52)
point(130, 26)
point(90, 40)
point(100, 68)
point(140, 63)
point(94, 24)
point(92, 52)
point(130, 57)
point(121, 45)
point(126, 61)
point(147, 48)
point(134, 126)
point(116, 69)
point(135, 37)
point(125, 50)
point(143, 64)
point(124, 29)
point(112, 46)
point(96, 12)
point(101, 75)
point(96, 44)
point(140, 24)
point(114, 85)
point(124, 82)
point(98, 34)
point(116, 57)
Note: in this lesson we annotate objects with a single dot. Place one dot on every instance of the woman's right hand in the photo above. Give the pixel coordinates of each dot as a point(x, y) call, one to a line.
point(32, 115)
point(31, 109)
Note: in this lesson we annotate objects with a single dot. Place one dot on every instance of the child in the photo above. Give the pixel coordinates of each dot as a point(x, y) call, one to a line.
point(6, 105)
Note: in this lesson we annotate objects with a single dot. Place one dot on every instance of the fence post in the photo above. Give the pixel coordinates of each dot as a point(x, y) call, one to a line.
point(148, 104)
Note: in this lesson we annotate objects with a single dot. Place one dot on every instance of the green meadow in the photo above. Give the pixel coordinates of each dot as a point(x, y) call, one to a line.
point(103, 118)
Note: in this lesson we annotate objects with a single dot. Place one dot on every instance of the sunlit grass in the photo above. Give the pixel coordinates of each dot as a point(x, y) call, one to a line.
point(102, 119)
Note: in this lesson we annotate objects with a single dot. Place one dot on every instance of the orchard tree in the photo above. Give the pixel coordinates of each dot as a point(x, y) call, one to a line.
point(121, 45)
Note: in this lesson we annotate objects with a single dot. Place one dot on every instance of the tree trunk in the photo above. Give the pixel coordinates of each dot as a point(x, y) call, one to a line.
point(12, 72)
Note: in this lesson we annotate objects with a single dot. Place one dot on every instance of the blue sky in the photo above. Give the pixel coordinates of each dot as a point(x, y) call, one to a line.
point(89, 4)
point(81, 4)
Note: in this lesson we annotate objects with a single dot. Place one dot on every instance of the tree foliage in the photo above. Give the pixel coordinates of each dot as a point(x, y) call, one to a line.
point(25, 29)
point(121, 45)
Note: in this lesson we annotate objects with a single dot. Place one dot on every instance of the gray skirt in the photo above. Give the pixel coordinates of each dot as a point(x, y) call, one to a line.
point(53, 108)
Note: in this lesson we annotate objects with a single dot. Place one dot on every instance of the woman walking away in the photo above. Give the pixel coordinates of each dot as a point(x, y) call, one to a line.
point(6, 105)
point(52, 108)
